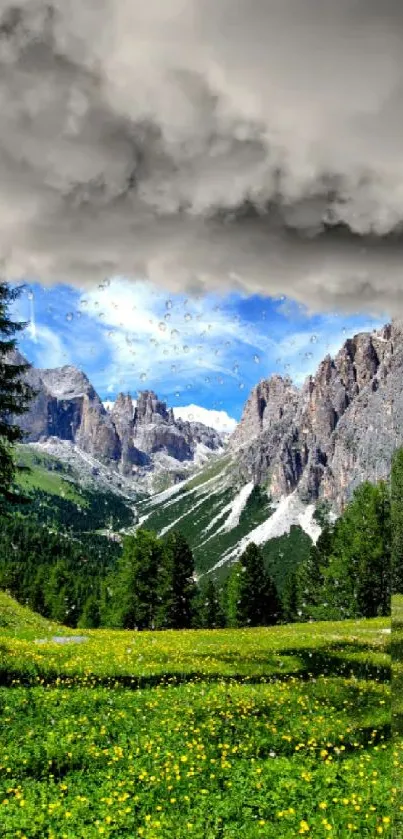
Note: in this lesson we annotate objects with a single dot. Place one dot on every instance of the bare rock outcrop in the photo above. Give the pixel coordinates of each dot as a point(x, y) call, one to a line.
point(67, 407)
point(339, 429)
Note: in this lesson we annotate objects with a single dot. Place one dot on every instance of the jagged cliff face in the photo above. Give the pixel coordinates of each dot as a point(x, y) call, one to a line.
point(68, 408)
point(341, 428)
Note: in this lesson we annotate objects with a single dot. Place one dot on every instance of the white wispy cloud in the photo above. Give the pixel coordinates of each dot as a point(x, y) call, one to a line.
point(220, 420)
point(50, 349)
point(151, 337)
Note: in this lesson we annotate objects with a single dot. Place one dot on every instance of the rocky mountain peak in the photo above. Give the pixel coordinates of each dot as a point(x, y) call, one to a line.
point(268, 402)
point(67, 383)
point(130, 437)
point(339, 429)
point(150, 409)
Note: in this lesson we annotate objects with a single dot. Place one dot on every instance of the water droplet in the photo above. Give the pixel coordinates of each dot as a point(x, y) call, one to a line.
point(174, 333)
point(207, 379)
point(162, 326)
point(242, 386)
point(111, 333)
point(30, 295)
point(168, 304)
point(167, 316)
point(177, 394)
point(173, 368)
point(69, 316)
point(236, 368)
point(143, 377)
point(314, 339)
point(256, 359)
point(185, 349)
point(188, 316)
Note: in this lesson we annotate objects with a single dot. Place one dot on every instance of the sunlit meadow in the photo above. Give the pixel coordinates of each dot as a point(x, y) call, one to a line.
point(270, 732)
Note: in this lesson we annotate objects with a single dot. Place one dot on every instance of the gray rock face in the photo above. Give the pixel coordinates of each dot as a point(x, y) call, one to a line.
point(339, 429)
point(68, 408)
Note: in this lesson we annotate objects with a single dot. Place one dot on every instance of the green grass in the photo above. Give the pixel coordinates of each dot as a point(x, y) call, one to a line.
point(272, 732)
point(18, 620)
point(47, 474)
point(397, 704)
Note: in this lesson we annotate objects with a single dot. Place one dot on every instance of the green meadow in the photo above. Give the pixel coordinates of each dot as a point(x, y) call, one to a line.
point(215, 734)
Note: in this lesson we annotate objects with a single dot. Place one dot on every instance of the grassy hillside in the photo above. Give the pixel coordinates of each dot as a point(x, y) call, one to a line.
point(202, 509)
point(251, 733)
point(18, 619)
point(48, 474)
point(57, 497)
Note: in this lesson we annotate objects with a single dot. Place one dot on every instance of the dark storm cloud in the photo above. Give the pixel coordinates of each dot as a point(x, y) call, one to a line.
point(247, 143)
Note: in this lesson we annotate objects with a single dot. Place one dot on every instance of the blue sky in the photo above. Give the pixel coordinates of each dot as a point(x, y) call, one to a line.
point(209, 351)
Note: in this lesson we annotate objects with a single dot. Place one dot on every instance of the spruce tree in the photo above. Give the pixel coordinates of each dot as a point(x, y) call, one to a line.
point(358, 577)
point(291, 599)
point(310, 573)
point(135, 587)
point(14, 392)
point(397, 520)
point(374, 571)
point(232, 594)
point(211, 614)
point(176, 587)
point(253, 597)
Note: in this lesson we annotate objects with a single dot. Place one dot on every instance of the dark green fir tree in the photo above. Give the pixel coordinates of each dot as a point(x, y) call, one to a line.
point(14, 392)
point(176, 587)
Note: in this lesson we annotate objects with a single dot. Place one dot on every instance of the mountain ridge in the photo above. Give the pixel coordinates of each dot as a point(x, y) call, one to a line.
point(137, 440)
point(344, 421)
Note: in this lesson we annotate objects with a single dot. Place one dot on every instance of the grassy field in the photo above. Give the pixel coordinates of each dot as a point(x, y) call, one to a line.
point(397, 703)
point(226, 734)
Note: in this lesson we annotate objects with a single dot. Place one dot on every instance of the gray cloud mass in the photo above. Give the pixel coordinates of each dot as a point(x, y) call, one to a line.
point(248, 144)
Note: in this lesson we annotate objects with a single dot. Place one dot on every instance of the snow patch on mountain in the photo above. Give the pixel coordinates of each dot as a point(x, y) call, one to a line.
point(237, 505)
point(290, 511)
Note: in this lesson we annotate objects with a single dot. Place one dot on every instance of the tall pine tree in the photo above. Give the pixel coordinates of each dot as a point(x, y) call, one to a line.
point(134, 590)
point(397, 520)
point(291, 599)
point(14, 392)
point(176, 589)
point(210, 611)
point(358, 576)
point(252, 595)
